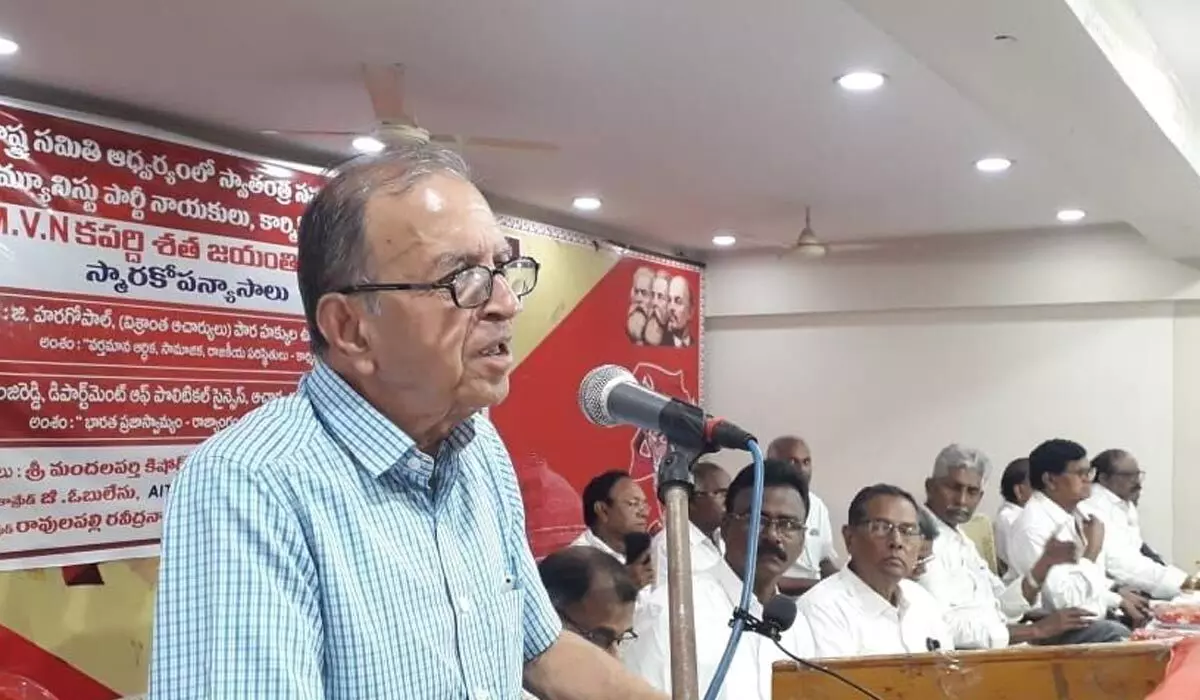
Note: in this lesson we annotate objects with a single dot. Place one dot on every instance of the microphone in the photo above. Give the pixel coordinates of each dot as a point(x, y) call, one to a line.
point(779, 614)
point(610, 395)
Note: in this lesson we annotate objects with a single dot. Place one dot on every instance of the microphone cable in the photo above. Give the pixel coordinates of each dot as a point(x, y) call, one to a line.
point(739, 625)
point(826, 671)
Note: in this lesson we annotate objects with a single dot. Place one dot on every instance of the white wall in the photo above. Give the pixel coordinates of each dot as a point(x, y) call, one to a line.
point(862, 359)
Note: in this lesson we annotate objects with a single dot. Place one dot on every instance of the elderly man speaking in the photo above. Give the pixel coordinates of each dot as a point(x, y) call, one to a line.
point(365, 536)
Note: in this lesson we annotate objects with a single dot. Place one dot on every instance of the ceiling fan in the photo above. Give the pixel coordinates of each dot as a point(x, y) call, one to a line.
point(395, 127)
point(808, 245)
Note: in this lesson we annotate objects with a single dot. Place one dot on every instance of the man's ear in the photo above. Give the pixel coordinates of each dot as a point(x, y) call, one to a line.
point(339, 324)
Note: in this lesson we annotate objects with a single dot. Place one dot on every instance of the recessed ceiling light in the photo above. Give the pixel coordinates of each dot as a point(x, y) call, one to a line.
point(367, 144)
point(1070, 216)
point(724, 239)
point(274, 170)
point(993, 164)
point(861, 81)
point(8, 47)
point(586, 203)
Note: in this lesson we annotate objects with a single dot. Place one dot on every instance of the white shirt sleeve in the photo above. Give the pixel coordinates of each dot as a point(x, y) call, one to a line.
point(1123, 558)
point(1080, 585)
point(1012, 598)
point(1133, 569)
point(970, 626)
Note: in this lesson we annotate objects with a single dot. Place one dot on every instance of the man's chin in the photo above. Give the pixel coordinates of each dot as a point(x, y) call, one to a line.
point(487, 393)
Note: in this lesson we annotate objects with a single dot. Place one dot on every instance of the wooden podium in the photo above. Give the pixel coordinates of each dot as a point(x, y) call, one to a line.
point(1125, 671)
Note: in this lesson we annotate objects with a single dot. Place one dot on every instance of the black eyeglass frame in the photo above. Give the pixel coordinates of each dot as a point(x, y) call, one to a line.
point(602, 637)
point(447, 283)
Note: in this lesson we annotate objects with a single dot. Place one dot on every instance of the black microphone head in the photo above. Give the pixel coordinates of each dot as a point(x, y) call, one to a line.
point(594, 391)
point(780, 612)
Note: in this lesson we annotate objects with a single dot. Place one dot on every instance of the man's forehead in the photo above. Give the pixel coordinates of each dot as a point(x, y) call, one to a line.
point(441, 219)
point(962, 475)
point(777, 500)
point(783, 501)
point(894, 508)
point(1126, 461)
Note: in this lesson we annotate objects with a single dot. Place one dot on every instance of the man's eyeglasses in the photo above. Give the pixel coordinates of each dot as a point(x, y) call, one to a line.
point(717, 493)
point(602, 637)
point(632, 503)
point(1085, 474)
point(1137, 476)
point(784, 526)
point(469, 287)
point(883, 529)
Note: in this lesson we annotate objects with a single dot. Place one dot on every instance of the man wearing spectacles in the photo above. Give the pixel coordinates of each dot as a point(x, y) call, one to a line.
point(983, 612)
point(365, 536)
point(871, 607)
point(613, 506)
point(1115, 493)
point(717, 591)
point(1060, 475)
point(593, 594)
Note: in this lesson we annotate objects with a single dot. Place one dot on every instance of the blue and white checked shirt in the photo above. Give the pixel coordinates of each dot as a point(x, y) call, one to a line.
point(311, 551)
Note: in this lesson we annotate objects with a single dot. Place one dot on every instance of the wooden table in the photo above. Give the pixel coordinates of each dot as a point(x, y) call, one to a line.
point(1126, 671)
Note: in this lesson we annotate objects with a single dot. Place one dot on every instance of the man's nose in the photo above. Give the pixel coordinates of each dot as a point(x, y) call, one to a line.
point(504, 304)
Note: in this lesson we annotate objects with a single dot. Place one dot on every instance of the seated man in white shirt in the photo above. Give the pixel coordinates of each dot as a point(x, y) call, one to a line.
point(1059, 473)
point(1015, 489)
point(871, 607)
point(819, 558)
point(717, 591)
point(1118, 483)
point(706, 510)
point(981, 611)
point(613, 506)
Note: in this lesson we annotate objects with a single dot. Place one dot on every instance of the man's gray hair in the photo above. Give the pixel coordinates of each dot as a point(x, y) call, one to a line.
point(332, 246)
point(959, 457)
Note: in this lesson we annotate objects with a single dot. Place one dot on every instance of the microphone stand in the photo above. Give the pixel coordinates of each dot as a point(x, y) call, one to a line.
point(675, 483)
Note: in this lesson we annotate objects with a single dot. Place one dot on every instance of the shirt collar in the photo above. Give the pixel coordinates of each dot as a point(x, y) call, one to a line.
point(371, 439)
point(1106, 494)
point(731, 583)
point(1042, 502)
point(872, 603)
point(591, 539)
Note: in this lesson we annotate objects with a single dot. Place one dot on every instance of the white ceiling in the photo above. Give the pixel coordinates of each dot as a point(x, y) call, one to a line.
point(685, 116)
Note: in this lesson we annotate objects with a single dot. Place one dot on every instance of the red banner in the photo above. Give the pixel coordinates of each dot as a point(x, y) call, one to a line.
point(148, 300)
point(556, 450)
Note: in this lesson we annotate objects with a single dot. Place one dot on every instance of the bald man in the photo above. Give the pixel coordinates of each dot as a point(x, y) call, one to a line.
point(679, 311)
point(819, 558)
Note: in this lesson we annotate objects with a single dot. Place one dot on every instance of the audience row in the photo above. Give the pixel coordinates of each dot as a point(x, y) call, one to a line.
point(1070, 565)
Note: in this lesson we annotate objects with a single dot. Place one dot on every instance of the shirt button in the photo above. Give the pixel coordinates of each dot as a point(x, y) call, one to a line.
point(464, 605)
point(481, 694)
